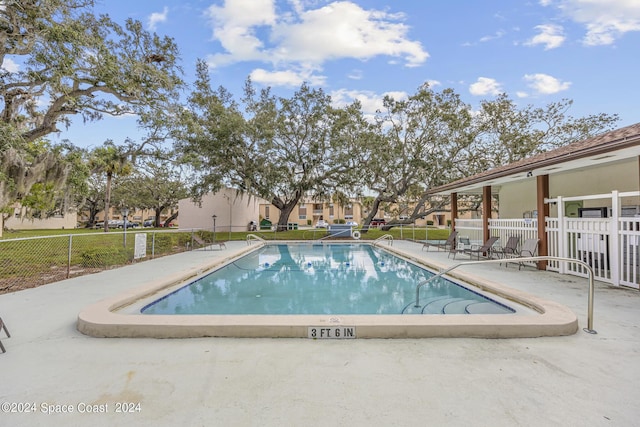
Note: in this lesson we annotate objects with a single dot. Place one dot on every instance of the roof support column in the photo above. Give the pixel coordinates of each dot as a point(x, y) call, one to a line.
point(486, 211)
point(454, 210)
point(542, 185)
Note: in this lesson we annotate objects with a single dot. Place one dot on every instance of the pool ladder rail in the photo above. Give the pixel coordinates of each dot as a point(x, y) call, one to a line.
point(387, 237)
point(589, 329)
point(252, 237)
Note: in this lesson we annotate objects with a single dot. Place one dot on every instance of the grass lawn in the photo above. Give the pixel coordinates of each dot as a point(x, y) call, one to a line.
point(303, 234)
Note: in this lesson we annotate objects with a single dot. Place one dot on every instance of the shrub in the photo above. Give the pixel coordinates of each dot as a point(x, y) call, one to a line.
point(163, 243)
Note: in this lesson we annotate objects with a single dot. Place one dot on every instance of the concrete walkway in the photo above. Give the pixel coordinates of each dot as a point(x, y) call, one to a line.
point(579, 380)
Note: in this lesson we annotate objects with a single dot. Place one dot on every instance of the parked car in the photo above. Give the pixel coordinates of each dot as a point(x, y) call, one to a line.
point(148, 223)
point(377, 222)
point(116, 223)
point(130, 224)
point(322, 224)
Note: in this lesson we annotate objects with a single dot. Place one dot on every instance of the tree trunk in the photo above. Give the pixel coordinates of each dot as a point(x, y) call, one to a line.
point(107, 199)
point(93, 211)
point(156, 220)
point(372, 214)
point(285, 212)
point(171, 218)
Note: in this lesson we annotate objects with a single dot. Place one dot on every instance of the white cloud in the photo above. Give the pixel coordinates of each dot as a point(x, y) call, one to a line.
point(521, 94)
point(287, 78)
point(157, 17)
point(485, 86)
point(550, 36)
point(10, 65)
point(371, 102)
point(309, 37)
point(545, 84)
point(605, 20)
point(498, 34)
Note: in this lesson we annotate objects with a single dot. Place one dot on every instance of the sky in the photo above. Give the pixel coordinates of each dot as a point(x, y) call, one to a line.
point(535, 51)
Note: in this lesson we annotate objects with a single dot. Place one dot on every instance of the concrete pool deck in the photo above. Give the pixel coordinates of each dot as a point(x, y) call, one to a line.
point(120, 317)
point(580, 379)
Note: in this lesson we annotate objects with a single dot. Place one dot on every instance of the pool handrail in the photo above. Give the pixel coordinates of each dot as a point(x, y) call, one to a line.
point(251, 237)
point(588, 329)
point(328, 236)
point(388, 237)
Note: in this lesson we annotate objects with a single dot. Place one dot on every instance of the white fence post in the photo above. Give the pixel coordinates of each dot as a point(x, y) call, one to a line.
point(614, 244)
point(563, 245)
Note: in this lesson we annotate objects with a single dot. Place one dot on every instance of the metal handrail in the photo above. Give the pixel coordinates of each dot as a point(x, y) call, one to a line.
point(589, 327)
point(251, 237)
point(389, 237)
point(328, 236)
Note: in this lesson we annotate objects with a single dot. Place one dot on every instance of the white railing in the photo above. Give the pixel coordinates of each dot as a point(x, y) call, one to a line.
point(471, 228)
point(629, 255)
point(554, 243)
point(387, 237)
point(253, 238)
point(589, 240)
point(611, 246)
point(524, 228)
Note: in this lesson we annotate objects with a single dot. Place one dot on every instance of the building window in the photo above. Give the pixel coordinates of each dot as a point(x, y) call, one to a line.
point(302, 211)
point(266, 212)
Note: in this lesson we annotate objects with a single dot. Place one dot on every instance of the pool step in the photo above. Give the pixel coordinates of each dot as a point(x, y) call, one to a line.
point(439, 306)
point(486, 308)
point(453, 305)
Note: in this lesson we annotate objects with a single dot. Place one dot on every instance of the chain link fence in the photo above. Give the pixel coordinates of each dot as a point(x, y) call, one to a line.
point(35, 261)
point(30, 262)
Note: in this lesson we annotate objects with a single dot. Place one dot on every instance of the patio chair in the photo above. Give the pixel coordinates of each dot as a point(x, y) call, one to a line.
point(509, 250)
point(529, 248)
point(208, 244)
point(6, 331)
point(479, 251)
point(463, 243)
point(448, 244)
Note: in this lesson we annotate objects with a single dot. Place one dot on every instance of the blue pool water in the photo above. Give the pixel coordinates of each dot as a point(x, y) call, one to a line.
point(321, 279)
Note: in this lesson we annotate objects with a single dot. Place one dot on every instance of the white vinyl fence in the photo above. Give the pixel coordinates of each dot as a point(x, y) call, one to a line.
point(609, 245)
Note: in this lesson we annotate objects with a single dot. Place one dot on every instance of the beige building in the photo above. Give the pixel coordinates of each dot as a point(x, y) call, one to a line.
point(233, 212)
point(308, 213)
point(138, 216)
point(18, 221)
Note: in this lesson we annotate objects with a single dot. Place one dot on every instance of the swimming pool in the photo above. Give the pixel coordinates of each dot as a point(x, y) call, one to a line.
point(120, 315)
point(322, 279)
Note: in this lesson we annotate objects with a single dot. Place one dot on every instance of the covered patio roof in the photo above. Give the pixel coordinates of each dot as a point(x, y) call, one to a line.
point(610, 147)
